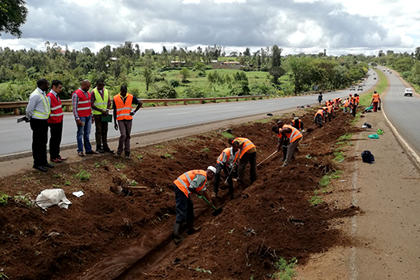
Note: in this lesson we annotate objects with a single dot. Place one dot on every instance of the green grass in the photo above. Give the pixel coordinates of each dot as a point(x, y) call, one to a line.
point(3, 199)
point(169, 156)
point(227, 135)
point(285, 269)
point(140, 157)
point(159, 146)
point(3, 276)
point(205, 150)
point(339, 156)
point(346, 136)
point(315, 200)
point(119, 166)
point(325, 181)
point(82, 175)
point(336, 174)
point(67, 183)
point(23, 199)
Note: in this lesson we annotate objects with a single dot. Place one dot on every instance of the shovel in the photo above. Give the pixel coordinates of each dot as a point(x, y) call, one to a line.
point(230, 173)
point(267, 158)
point(216, 211)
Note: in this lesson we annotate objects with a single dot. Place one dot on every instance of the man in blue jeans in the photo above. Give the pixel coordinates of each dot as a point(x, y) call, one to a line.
point(82, 112)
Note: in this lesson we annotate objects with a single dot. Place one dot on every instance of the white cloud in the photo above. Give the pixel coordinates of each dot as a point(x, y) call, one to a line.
point(294, 25)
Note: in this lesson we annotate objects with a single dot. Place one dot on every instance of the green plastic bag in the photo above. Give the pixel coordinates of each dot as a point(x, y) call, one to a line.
point(374, 136)
point(380, 131)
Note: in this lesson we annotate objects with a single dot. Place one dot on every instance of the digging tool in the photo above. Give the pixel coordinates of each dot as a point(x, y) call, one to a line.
point(230, 173)
point(216, 211)
point(267, 158)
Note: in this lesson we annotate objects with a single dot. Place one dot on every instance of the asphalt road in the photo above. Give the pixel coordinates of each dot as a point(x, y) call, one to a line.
point(15, 138)
point(402, 112)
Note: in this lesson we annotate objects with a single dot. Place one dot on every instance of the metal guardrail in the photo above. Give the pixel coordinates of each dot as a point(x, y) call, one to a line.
point(68, 104)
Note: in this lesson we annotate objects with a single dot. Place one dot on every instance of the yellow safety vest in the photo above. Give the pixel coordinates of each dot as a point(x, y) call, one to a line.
point(99, 102)
point(47, 108)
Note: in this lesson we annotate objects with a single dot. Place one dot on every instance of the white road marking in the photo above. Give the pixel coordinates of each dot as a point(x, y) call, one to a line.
point(183, 113)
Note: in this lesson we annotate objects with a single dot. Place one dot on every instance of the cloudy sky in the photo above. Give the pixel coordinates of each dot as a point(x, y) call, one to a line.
point(310, 26)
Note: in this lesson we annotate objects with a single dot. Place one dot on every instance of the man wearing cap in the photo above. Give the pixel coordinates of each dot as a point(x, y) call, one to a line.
point(193, 181)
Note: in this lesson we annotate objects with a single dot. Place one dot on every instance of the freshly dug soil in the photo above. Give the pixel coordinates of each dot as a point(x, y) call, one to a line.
point(104, 235)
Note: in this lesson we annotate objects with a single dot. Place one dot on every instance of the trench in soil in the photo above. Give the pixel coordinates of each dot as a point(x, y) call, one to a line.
point(108, 236)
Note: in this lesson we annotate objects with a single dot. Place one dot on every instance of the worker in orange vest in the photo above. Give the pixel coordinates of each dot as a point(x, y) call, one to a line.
point(226, 161)
point(375, 101)
point(297, 123)
point(247, 153)
point(291, 133)
point(123, 114)
point(346, 104)
point(319, 117)
point(193, 181)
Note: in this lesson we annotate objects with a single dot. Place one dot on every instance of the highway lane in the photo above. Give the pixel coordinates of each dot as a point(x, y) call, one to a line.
point(16, 138)
point(402, 112)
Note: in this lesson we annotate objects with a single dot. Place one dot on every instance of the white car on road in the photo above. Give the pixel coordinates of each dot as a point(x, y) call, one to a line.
point(408, 92)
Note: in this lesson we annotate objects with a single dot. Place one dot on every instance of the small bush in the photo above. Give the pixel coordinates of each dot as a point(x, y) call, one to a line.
point(82, 175)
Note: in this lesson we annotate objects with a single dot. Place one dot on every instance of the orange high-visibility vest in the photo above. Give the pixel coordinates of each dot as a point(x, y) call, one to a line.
point(248, 145)
point(357, 99)
point(183, 182)
point(84, 107)
point(319, 112)
point(123, 109)
point(375, 97)
point(298, 125)
point(228, 154)
point(294, 135)
point(327, 103)
point(346, 104)
point(56, 115)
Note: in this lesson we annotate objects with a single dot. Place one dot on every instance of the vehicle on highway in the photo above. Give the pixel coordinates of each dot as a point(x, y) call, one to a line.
point(390, 72)
point(408, 92)
point(352, 88)
point(360, 87)
point(374, 78)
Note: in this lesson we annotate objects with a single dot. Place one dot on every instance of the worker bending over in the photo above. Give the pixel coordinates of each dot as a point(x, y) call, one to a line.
point(319, 117)
point(294, 136)
point(193, 181)
point(247, 153)
point(226, 161)
point(297, 123)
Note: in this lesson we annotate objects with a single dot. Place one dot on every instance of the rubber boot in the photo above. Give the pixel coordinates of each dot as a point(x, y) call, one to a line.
point(177, 236)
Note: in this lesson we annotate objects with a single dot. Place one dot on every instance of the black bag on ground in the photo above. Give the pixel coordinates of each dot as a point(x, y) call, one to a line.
point(368, 157)
point(368, 125)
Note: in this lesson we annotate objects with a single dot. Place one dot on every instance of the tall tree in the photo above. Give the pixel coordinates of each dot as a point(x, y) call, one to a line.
point(12, 16)
point(276, 71)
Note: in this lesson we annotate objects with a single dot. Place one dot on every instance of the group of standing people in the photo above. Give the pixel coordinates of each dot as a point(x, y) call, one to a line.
point(45, 111)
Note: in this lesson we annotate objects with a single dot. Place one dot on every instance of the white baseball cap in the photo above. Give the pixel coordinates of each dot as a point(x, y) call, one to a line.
point(212, 168)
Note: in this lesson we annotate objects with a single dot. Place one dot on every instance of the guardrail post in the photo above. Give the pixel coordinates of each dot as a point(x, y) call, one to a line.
point(16, 111)
point(165, 103)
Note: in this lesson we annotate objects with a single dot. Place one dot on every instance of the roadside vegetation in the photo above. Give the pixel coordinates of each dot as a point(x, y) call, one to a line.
point(177, 73)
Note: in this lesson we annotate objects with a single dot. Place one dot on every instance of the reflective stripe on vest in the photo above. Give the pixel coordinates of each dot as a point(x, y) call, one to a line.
point(123, 109)
point(375, 98)
point(56, 115)
point(248, 145)
point(99, 102)
point(294, 135)
point(183, 182)
point(228, 153)
point(43, 115)
point(84, 108)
